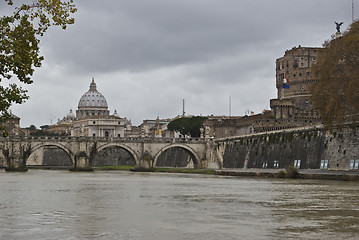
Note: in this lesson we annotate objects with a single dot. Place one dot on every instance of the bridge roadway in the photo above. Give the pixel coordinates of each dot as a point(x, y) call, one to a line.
point(82, 150)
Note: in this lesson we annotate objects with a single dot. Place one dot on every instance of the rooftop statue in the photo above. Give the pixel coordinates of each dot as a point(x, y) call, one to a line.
point(338, 26)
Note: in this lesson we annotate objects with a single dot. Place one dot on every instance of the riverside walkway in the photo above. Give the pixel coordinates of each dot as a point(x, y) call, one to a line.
point(303, 173)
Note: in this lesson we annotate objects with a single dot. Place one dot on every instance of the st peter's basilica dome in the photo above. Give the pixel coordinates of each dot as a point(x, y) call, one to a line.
point(92, 103)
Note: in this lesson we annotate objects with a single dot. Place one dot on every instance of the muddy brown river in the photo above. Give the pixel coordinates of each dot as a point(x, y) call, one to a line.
point(45, 204)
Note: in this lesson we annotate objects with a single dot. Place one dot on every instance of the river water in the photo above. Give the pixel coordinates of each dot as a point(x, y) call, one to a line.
point(45, 204)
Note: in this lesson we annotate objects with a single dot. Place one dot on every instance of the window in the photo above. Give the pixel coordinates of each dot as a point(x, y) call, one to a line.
point(295, 63)
point(280, 77)
point(324, 164)
point(276, 164)
point(354, 164)
point(106, 134)
point(265, 164)
point(297, 163)
point(94, 135)
point(94, 122)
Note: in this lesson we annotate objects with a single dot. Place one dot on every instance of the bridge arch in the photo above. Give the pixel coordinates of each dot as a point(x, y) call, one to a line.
point(69, 153)
point(194, 155)
point(123, 146)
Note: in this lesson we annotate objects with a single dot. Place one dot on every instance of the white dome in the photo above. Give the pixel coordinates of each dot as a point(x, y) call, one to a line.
point(92, 98)
point(71, 115)
point(92, 103)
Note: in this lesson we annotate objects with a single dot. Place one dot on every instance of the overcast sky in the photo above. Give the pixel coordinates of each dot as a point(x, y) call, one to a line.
point(146, 56)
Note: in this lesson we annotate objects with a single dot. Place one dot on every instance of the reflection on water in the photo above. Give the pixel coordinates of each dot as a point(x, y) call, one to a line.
point(122, 205)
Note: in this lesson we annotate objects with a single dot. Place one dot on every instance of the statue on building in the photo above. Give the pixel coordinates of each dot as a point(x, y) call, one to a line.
point(338, 26)
point(145, 131)
point(201, 131)
point(207, 129)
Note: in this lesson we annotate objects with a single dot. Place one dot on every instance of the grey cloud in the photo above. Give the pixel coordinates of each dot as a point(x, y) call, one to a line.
point(146, 56)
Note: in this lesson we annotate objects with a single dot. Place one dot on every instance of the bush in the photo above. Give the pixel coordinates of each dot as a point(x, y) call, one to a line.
point(12, 168)
point(280, 174)
point(291, 172)
point(187, 125)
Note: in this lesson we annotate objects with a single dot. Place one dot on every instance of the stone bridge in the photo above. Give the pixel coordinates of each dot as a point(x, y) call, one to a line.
point(309, 148)
point(82, 150)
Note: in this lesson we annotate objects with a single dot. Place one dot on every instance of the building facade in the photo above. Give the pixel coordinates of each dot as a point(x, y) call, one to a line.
point(293, 108)
point(12, 126)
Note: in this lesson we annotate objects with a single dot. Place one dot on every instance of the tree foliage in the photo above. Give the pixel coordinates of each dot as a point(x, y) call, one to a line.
point(32, 127)
point(336, 95)
point(19, 44)
point(187, 126)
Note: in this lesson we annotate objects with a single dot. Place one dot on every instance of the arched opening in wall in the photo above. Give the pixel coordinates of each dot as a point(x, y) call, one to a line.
point(49, 156)
point(177, 157)
point(113, 156)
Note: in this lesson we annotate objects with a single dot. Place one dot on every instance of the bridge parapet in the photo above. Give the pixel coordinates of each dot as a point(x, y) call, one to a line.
point(102, 139)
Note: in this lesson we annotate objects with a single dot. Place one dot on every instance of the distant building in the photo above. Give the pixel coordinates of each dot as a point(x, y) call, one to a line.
point(63, 126)
point(156, 128)
point(93, 119)
point(227, 126)
point(12, 126)
point(294, 76)
point(293, 108)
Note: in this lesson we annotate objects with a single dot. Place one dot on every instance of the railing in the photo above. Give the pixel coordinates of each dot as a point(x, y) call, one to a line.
point(287, 130)
point(108, 139)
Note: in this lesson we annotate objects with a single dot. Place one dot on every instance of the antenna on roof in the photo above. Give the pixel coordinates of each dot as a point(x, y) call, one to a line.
point(230, 103)
point(352, 11)
point(183, 112)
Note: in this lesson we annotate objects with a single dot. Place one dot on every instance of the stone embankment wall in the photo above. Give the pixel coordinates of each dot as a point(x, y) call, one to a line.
point(280, 149)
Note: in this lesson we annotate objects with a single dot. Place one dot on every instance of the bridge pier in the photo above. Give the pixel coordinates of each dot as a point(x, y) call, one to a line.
point(83, 162)
point(15, 153)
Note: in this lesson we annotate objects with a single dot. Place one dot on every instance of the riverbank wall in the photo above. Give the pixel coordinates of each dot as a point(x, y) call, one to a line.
point(310, 148)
